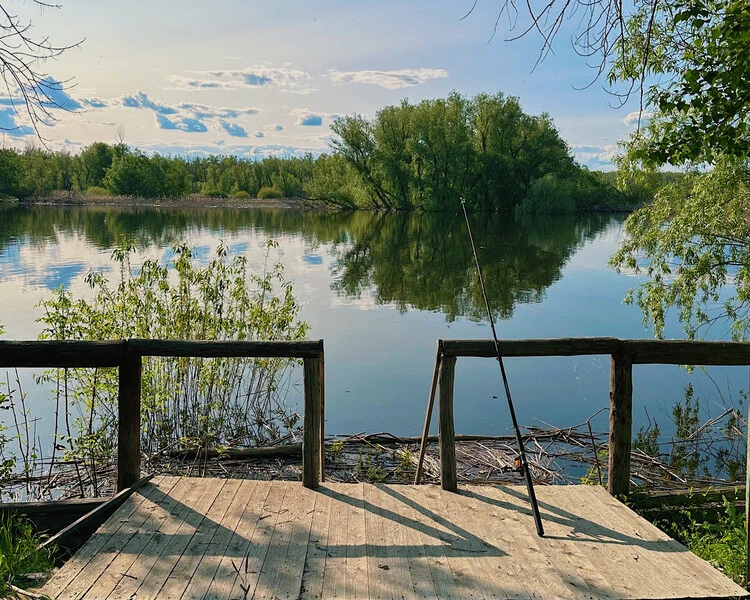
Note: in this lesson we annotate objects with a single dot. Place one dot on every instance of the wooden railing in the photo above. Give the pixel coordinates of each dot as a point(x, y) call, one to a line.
point(623, 355)
point(127, 355)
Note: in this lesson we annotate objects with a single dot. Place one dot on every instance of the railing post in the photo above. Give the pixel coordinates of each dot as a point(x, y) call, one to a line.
point(129, 423)
point(620, 422)
point(312, 427)
point(322, 369)
point(446, 427)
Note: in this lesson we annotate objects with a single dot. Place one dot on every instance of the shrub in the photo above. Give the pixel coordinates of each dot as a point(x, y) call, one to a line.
point(20, 555)
point(96, 190)
point(188, 403)
point(240, 195)
point(269, 192)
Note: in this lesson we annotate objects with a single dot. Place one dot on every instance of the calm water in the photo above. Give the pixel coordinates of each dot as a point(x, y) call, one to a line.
point(380, 289)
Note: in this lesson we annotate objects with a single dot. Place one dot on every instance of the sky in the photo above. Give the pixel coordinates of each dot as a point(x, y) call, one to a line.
point(258, 79)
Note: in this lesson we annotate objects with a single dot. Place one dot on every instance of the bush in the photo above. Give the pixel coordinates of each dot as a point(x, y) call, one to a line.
point(240, 195)
point(20, 554)
point(96, 190)
point(189, 403)
point(269, 192)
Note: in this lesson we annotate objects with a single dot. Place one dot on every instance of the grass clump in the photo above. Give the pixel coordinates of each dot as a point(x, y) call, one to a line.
point(269, 192)
point(22, 562)
point(96, 190)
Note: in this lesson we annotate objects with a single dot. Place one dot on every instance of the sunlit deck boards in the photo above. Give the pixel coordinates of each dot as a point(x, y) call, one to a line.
point(210, 538)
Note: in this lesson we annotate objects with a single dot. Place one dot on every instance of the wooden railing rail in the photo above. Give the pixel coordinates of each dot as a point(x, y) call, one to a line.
point(623, 355)
point(128, 355)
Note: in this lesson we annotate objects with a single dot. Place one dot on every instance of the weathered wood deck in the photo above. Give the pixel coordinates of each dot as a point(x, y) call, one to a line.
point(209, 538)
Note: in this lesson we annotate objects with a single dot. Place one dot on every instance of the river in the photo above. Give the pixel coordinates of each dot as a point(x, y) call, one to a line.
point(380, 289)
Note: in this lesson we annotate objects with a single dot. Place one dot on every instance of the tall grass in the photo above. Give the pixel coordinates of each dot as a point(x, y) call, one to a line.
point(187, 403)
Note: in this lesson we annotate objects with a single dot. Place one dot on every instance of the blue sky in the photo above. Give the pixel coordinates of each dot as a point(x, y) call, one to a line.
point(267, 78)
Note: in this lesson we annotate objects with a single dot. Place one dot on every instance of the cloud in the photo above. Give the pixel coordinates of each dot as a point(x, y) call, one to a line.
point(54, 95)
point(233, 129)
point(186, 116)
point(390, 80)
point(259, 134)
point(248, 151)
point(634, 117)
point(595, 157)
point(8, 124)
point(259, 76)
point(309, 118)
point(274, 127)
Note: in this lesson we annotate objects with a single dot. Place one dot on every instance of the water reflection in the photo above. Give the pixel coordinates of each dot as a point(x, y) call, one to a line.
point(411, 260)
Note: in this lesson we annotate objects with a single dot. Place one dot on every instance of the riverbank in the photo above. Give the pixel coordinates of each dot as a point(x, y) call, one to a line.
point(192, 201)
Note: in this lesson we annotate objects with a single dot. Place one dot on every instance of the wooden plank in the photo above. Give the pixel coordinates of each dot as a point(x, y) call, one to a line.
point(322, 412)
point(353, 518)
point(394, 578)
point(406, 544)
point(517, 579)
point(620, 423)
point(518, 522)
point(436, 505)
point(559, 543)
point(677, 352)
point(619, 563)
point(311, 432)
point(54, 353)
point(131, 566)
point(260, 542)
point(115, 525)
point(428, 413)
point(129, 423)
point(291, 564)
point(672, 557)
point(217, 548)
point(434, 546)
point(219, 568)
point(334, 576)
point(94, 518)
point(106, 563)
point(317, 546)
point(197, 503)
point(446, 426)
point(179, 579)
point(225, 349)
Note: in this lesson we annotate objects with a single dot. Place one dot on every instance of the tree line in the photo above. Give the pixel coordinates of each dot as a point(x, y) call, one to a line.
point(411, 156)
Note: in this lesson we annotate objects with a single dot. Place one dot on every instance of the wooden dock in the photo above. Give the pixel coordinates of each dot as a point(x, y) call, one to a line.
point(213, 538)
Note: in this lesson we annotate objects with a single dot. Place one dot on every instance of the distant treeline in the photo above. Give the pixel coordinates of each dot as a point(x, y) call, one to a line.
point(421, 156)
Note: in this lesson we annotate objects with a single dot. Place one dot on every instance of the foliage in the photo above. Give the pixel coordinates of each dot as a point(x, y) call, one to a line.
point(240, 195)
point(722, 543)
point(692, 241)
point(269, 192)
point(427, 155)
point(96, 190)
point(190, 403)
point(20, 555)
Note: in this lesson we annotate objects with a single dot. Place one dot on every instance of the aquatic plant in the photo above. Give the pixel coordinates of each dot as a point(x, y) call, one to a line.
point(187, 403)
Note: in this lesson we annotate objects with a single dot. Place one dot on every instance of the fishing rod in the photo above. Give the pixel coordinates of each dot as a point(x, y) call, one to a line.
point(524, 465)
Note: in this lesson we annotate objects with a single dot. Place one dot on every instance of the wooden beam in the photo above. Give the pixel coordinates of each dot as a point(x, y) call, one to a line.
point(47, 354)
point(620, 423)
point(311, 425)
point(129, 423)
point(211, 349)
point(322, 442)
point(676, 352)
point(446, 426)
point(89, 522)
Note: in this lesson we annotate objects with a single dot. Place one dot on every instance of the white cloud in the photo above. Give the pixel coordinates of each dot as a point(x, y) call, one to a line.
point(390, 80)
point(186, 116)
point(595, 157)
point(310, 118)
point(285, 78)
point(634, 117)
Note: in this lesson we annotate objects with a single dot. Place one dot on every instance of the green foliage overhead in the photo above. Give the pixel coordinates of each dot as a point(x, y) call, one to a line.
point(691, 241)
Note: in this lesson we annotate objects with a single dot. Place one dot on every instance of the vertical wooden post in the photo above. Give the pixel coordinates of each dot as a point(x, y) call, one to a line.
point(311, 427)
point(322, 370)
point(620, 423)
point(129, 423)
point(446, 427)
